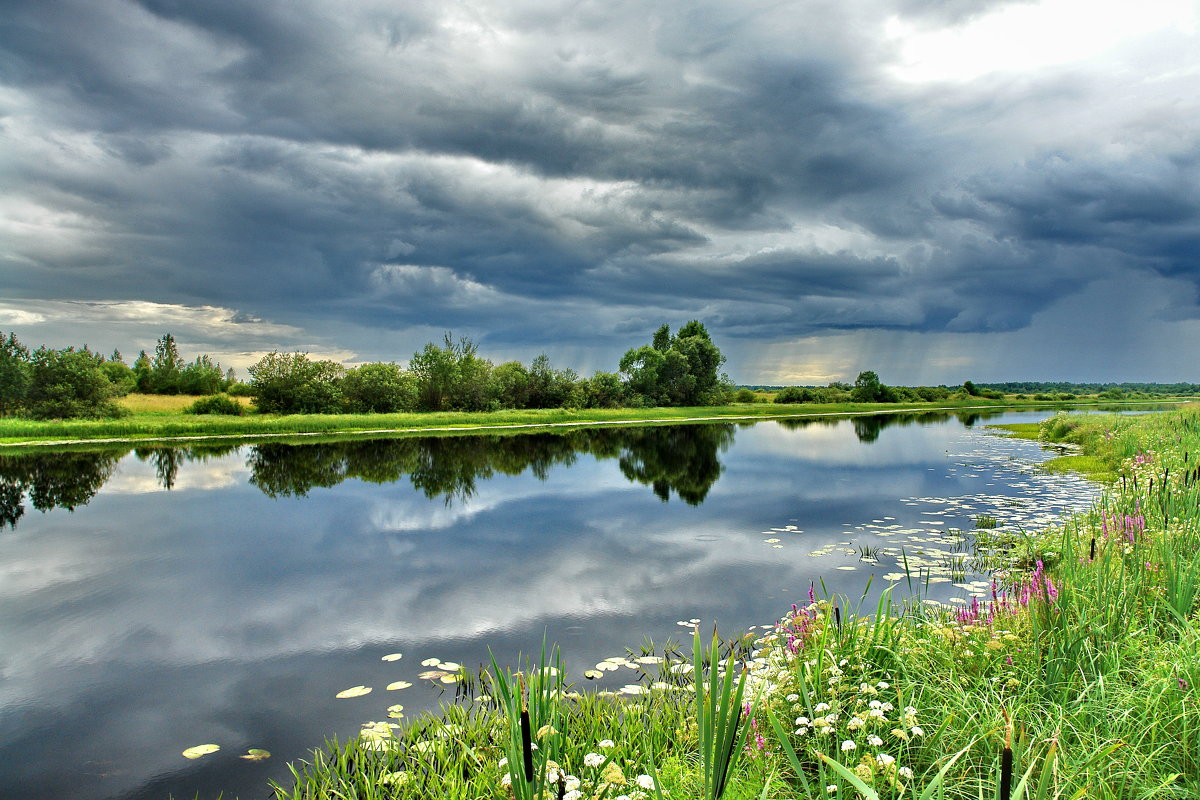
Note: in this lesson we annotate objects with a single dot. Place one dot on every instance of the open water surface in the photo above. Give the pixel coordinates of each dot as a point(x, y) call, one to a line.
point(160, 598)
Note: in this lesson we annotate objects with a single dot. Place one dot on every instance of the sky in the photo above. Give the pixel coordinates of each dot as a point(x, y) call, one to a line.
point(937, 191)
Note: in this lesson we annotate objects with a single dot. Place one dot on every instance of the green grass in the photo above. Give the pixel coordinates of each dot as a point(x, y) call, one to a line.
point(157, 417)
point(1091, 466)
point(1087, 664)
point(1021, 430)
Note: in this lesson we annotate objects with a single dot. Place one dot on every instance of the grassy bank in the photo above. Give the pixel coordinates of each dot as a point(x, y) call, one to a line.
point(161, 418)
point(1076, 675)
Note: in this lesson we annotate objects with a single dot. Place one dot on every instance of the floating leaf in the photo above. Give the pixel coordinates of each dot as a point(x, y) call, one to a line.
point(431, 662)
point(353, 691)
point(392, 657)
point(255, 754)
point(592, 674)
point(431, 675)
point(200, 750)
point(449, 666)
point(449, 678)
point(398, 685)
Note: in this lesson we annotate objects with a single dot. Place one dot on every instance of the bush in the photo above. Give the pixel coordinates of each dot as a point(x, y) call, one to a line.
point(216, 404)
point(289, 383)
point(743, 396)
point(239, 389)
point(378, 388)
point(70, 383)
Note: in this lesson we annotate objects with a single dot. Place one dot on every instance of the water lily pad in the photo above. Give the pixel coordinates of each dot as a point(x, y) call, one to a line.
point(353, 691)
point(454, 678)
point(200, 750)
point(449, 666)
point(431, 674)
point(431, 662)
point(398, 685)
point(392, 657)
point(255, 754)
point(592, 674)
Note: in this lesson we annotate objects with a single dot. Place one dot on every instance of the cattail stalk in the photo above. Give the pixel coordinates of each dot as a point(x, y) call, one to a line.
point(526, 735)
point(1006, 761)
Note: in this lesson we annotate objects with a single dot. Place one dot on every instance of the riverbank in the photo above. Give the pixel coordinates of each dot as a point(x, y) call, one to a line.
point(1077, 673)
point(159, 423)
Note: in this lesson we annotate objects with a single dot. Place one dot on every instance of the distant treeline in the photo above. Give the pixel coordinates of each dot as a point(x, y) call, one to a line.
point(1121, 389)
point(867, 388)
point(674, 369)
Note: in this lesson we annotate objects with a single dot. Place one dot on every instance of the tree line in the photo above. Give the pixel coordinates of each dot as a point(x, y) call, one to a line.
point(49, 384)
point(680, 368)
point(674, 369)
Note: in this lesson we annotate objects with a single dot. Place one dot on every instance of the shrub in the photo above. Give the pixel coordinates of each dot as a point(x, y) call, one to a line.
point(216, 404)
point(289, 383)
point(378, 388)
point(69, 383)
point(744, 396)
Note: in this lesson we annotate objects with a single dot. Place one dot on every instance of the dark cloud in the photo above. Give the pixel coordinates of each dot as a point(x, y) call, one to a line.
point(574, 171)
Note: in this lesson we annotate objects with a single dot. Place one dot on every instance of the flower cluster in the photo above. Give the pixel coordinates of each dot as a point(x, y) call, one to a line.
point(608, 779)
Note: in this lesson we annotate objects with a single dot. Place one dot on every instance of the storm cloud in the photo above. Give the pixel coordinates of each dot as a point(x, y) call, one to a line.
point(817, 181)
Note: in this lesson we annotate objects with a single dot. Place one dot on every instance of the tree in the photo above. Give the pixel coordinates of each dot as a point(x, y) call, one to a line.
point(14, 375)
point(202, 376)
point(603, 390)
point(166, 367)
point(120, 376)
point(869, 389)
point(141, 372)
point(549, 387)
point(509, 385)
point(641, 368)
point(290, 383)
point(378, 389)
point(69, 383)
point(451, 377)
point(676, 370)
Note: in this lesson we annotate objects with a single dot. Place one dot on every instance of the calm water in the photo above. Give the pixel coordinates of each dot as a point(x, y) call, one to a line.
point(156, 599)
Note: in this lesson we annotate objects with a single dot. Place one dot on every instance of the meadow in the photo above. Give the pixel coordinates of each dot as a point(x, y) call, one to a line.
point(1075, 674)
point(162, 418)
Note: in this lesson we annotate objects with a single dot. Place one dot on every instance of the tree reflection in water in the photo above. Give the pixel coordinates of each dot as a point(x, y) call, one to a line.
point(52, 480)
point(670, 459)
point(679, 459)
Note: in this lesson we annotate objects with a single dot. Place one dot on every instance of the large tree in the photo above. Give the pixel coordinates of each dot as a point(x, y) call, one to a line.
point(678, 370)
